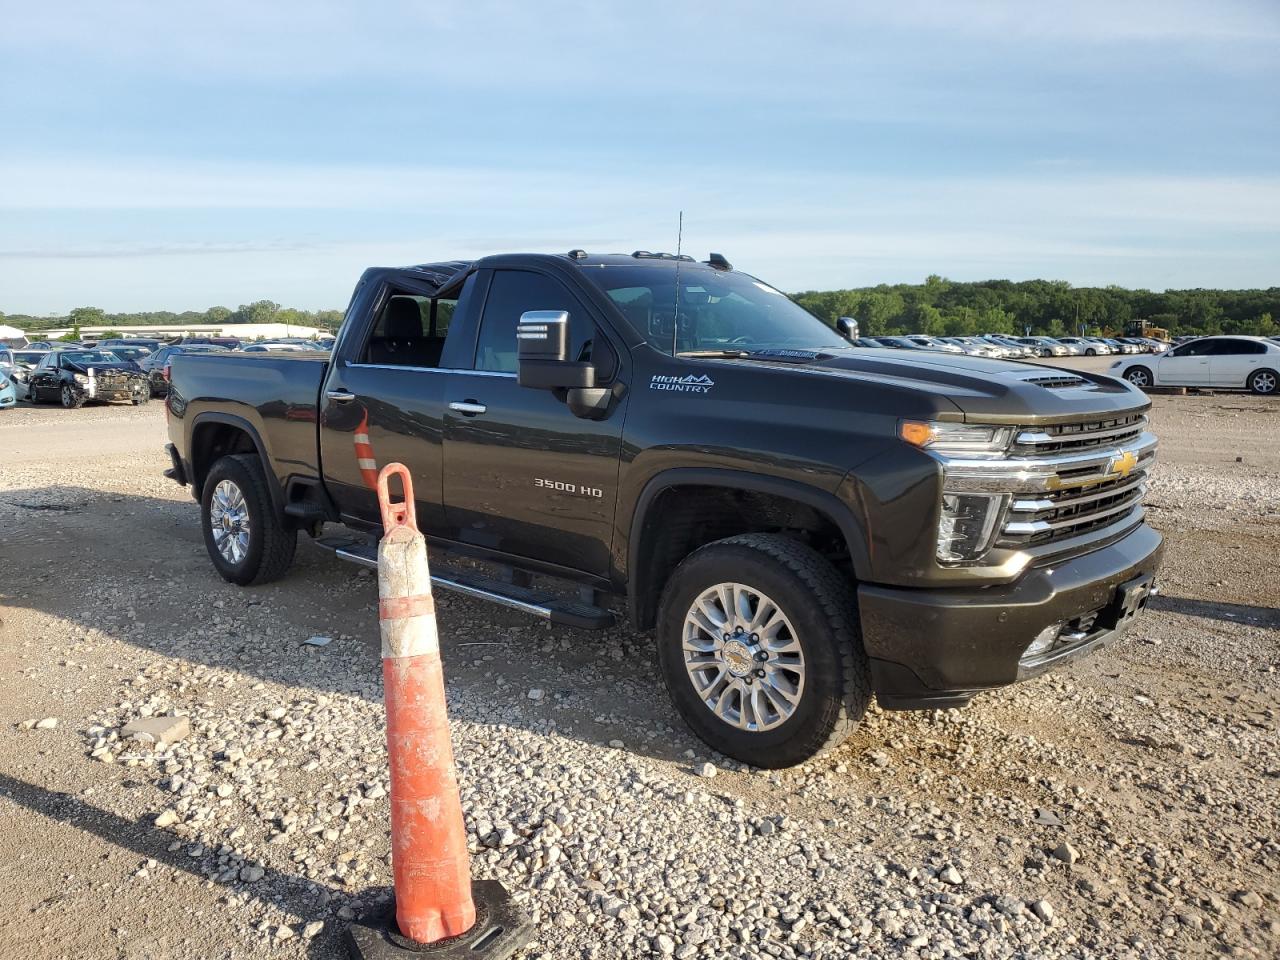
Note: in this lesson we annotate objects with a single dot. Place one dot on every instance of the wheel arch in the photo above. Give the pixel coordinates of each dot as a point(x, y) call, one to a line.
point(214, 435)
point(655, 547)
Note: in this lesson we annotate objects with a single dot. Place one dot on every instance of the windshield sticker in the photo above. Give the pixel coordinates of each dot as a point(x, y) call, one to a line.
point(686, 384)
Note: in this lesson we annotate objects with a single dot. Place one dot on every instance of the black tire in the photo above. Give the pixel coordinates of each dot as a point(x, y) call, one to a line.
point(31, 395)
point(1091, 352)
point(70, 399)
point(1265, 382)
point(270, 544)
point(820, 605)
point(1140, 377)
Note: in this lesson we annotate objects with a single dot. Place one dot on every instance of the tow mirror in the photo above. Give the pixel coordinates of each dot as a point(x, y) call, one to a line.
point(542, 344)
point(847, 327)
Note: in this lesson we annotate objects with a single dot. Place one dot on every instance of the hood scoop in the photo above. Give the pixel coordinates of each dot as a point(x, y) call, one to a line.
point(1061, 381)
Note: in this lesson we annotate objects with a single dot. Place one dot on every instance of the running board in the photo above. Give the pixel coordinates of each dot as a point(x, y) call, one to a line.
point(539, 603)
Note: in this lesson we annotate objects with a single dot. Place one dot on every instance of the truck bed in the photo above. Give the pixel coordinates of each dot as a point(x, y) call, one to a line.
point(275, 393)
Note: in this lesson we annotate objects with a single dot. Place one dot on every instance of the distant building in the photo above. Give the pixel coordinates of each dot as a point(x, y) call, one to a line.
point(244, 331)
point(12, 337)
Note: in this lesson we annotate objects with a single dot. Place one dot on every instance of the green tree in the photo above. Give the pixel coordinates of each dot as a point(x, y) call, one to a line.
point(260, 311)
point(88, 317)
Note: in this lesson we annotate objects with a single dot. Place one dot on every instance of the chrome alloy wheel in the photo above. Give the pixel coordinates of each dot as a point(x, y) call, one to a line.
point(1264, 382)
point(743, 657)
point(229, 519)
point(1138, 378)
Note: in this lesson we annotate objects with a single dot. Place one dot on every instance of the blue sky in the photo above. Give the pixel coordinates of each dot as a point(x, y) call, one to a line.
point(178, 156)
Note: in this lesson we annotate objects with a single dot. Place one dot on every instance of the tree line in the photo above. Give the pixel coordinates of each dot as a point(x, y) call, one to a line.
point(260, 311)
point(942, 307)
point(938, 306)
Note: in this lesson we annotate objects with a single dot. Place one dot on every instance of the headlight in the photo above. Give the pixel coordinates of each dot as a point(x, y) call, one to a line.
point(966, 525)
point(957, 439)
point(80, 378)
point(3, 383)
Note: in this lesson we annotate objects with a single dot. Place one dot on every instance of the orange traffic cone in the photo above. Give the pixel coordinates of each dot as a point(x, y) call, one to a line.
point(436, 902)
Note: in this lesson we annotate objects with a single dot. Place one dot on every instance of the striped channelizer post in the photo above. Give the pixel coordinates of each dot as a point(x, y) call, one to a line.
point(364, 456)
point(437, 909)
point(428, 839)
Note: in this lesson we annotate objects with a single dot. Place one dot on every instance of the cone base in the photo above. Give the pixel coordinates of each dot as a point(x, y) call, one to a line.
point(500, 931)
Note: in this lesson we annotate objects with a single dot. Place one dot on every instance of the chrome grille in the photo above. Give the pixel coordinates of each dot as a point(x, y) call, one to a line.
point(1085, 493)
point(1072, 437)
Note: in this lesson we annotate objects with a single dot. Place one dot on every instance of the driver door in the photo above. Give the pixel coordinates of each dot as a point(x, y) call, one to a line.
point(1187, 365)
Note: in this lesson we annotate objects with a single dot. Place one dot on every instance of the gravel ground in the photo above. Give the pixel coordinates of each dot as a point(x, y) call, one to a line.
point(1126, 807)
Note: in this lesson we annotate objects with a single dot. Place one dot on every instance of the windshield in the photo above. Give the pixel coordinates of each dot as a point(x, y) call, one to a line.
point(717, 311)
point(89, 356)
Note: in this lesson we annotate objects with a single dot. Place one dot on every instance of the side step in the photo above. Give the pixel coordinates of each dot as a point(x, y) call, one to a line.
point(540, 603)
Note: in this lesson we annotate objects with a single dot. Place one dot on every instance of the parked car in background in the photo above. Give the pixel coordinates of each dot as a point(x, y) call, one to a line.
point(905, 343)
point(869, 342)
point(154, 365)
point(8, 390)
point(272, 347)
point(1121, 347)
point(1016, 350)
point(150, 344)
point(933, 343)
point(227, 343)
point(73, 377)
point(972, 349)
point(1045, 346)
point(1226, 363)
point(134, 355)
point(1087, 346)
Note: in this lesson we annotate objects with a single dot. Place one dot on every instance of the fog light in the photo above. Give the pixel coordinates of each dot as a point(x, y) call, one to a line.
point(1043, 642)
point(965, 527)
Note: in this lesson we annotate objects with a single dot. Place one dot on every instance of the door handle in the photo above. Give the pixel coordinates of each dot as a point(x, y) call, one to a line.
point(340, 396)
point(468, 408)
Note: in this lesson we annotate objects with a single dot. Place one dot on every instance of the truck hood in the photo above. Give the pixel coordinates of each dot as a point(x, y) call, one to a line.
point(124, 366)
point(985, 391)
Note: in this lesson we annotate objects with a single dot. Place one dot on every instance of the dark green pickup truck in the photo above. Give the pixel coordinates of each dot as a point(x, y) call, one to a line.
point(802, 523)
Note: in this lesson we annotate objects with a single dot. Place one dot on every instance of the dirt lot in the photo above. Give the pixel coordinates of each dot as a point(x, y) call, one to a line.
point(1127, 807)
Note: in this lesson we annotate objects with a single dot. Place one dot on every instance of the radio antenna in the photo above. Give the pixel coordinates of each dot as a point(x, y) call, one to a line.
point(675, 319)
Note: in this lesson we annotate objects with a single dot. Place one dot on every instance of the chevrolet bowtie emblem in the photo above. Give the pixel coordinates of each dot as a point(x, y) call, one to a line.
point(1122, 464)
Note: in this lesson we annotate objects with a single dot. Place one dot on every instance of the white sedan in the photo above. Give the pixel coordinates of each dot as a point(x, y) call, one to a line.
point(1229, 363)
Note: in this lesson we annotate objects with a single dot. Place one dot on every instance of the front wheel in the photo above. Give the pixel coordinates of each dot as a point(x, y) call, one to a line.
point(70, 398)
point(760, 648)
point(245, 538)
point(141, 394)
point(1265, 382)
point(1140, 377)
point(1091, 353)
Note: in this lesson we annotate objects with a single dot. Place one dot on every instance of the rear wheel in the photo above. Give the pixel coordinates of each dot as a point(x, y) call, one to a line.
point(245, 538)
point(1265, 382)
point(1140, 377)
point(760, 649)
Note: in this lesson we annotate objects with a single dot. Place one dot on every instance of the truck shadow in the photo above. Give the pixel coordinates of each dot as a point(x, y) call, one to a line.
point(135, 568)
point(1211, 610)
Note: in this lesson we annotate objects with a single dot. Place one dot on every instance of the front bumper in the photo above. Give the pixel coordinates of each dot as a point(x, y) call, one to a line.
point(937, 648)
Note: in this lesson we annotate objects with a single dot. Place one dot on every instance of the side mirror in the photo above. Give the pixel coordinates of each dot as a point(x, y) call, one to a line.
point(847, 327)
point(542, 344)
